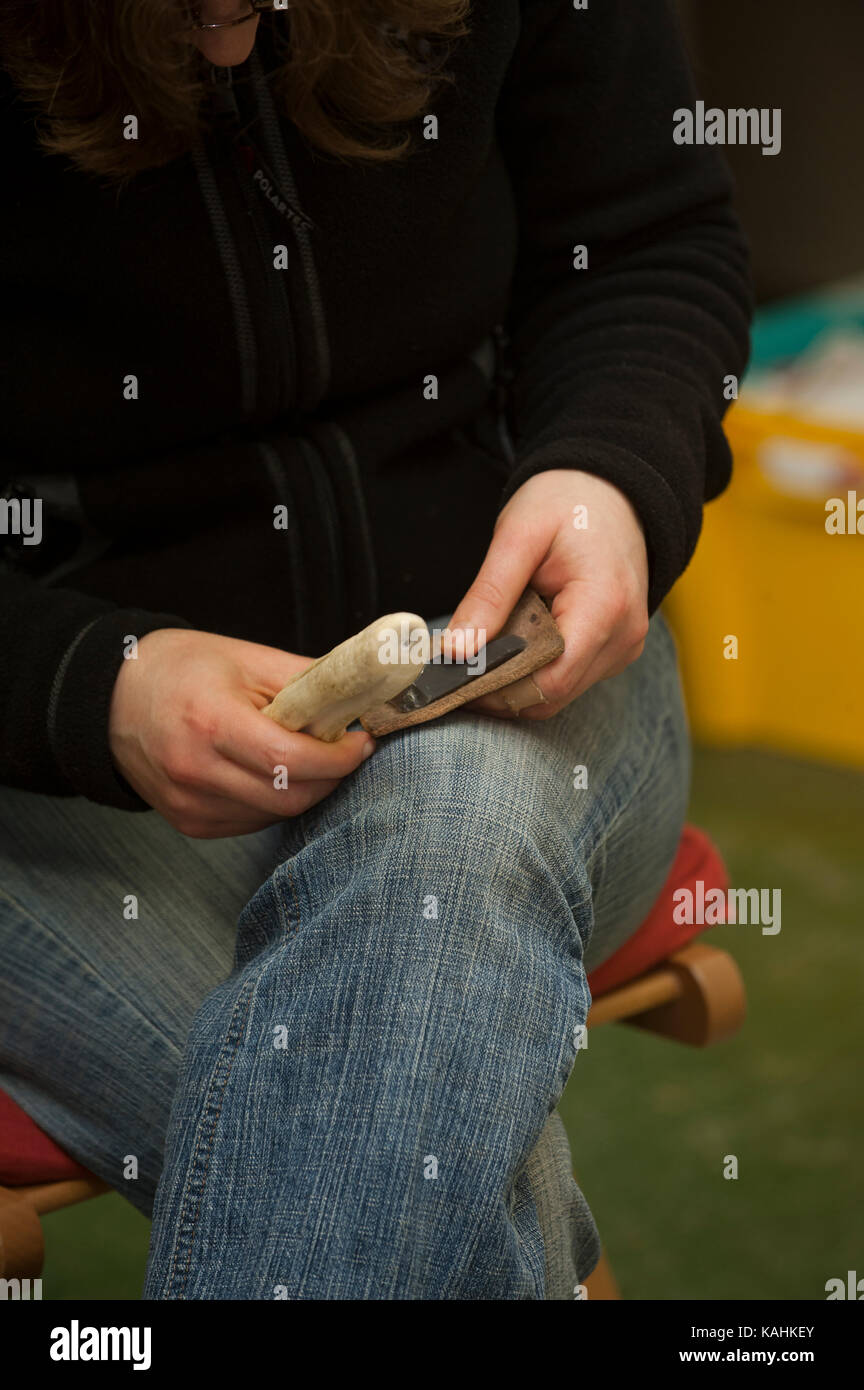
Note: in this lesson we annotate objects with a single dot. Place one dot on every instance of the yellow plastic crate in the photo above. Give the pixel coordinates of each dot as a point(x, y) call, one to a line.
point(768, 573)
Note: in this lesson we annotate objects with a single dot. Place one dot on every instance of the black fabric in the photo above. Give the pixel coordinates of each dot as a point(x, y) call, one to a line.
point(306, 387)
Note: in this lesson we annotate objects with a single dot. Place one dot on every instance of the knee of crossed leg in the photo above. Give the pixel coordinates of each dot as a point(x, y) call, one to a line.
point(492, 788)
point(465, 824)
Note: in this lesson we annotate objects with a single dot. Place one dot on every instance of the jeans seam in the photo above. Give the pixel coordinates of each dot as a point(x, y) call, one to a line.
point(198, 1168)
point(293, 930)
point(234, 1035)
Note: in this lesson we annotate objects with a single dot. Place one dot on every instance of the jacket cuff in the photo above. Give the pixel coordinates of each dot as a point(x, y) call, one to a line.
point(80, 701)
point(670, 533)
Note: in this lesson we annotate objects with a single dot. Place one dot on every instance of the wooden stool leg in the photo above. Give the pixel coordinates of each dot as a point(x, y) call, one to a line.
point(601, 1284)
point(22, 1249)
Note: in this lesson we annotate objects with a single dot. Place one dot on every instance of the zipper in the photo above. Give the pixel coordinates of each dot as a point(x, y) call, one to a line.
point(282, 487)
point(280, 317)
point(241, 147)
point(302, 227)
point(326, 500)
point(242, 153)
point(244, 330)
point(260, 173)
point(326, 477)
point(286, 202)
point(361, 534)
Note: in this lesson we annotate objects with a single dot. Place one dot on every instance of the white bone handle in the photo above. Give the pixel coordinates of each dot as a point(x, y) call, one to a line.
point(372, 666)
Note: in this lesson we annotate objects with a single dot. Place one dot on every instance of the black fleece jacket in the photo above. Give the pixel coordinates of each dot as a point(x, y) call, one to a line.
point(254, 390)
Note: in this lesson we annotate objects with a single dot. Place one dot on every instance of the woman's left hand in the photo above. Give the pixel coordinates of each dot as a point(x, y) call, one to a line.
point(577, 540)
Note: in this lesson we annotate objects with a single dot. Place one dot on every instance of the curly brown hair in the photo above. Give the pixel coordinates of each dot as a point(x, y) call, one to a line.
point(352, 72)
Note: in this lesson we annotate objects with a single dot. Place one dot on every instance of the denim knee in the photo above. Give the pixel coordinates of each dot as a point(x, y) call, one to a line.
point(464, 810)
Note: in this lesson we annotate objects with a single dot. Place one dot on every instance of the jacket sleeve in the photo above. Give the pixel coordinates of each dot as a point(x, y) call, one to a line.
point(620, 367)
point(60, 652)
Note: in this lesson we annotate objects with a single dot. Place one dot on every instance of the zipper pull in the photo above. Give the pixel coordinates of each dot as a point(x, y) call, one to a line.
point(222, 96)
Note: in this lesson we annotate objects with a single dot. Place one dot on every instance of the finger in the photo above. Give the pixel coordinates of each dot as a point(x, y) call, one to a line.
point(612, 661)
point(205, 828)
point(264, 668)
point(246, 818)
point(511, 560)
point(221, 790)
point(608, 663)
point(254, 741)
point(511, 699)
point(224, 783)
point(241, 820)
point(575, 610)
point(267, 669)
point(491, 704)
point(586, 627)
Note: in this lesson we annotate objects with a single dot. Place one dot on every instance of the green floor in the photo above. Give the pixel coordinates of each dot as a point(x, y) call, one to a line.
point(650, 1122)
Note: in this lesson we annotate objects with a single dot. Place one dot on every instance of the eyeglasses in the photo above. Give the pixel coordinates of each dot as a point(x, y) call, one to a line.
point(254, 7)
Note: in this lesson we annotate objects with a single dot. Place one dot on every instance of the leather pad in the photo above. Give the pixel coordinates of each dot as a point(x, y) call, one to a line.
point(530, 619)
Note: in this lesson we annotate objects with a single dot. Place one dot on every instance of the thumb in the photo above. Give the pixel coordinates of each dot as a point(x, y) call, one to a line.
point(501, 580)
point(269, 668)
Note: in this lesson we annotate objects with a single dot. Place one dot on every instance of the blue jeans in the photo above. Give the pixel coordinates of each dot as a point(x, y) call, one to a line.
point(354, 1108)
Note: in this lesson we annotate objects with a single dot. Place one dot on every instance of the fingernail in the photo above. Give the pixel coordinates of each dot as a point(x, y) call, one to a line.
point(368, 749)
point(459, 642)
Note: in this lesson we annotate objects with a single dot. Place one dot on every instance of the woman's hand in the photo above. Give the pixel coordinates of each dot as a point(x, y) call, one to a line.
point(594, 572)
point(186, 732)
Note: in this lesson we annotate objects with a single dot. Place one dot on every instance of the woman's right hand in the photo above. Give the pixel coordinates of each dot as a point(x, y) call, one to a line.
point(187, 732)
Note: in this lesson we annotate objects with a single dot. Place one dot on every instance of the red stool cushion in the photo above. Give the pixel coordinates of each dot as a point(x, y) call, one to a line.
point(28, 1155)
point(660, 935)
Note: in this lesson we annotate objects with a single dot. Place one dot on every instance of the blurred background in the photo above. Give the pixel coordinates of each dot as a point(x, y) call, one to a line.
point(779, 759)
